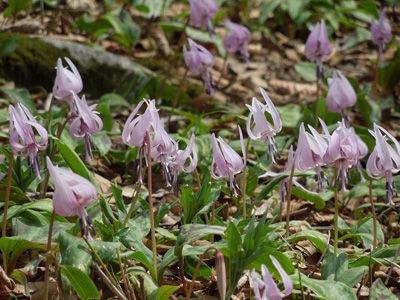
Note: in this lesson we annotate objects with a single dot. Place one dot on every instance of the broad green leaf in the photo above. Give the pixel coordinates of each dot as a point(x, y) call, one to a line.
point(326, 289)
point(307, 70)
point(379, 291)
point(102, 142)
point(8, 46)
point(12, 248)
point(74, 253)
point(73, 160)
point(142, 258)
point(16, 195)
point(20, 96)
point(318, 239)
point(290, 115)
point(80, 282)
point(164, 292)
point(16, 6)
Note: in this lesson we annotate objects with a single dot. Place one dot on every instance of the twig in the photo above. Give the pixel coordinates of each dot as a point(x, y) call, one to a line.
point(196, 271)
point(108, 282)
point(7, 200)
point(124, 276)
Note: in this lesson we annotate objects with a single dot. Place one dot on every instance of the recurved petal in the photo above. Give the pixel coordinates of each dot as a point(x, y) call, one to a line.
point(271, 289)
point(287, 281)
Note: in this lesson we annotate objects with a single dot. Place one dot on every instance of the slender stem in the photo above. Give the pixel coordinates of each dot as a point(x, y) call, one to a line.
point(374, 226)
point(151, 208)
point(244, 187)
point(48, 257)
point(181, 38)
point(107, 281)
point(289, 198)
point(301, 285)
point(182, 274)
point(99, 260)
point(336, 216)
point(7, 200)
point(132, 207)
point(197, 269)
point(124, 277)
point(52, 154)
point(318, 96)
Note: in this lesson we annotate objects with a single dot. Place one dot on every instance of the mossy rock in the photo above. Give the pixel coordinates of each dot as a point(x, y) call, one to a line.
point(33, 62)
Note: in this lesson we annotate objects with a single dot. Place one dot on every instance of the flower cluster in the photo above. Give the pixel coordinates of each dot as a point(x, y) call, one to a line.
point(67, 84)
point(197, 58)
point(146, 132)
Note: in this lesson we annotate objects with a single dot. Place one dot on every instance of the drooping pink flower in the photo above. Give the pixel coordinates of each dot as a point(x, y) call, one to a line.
point(311, 148)
point(184, 161)
point(344, 151)
point(86, 122)
point(139, 125)
point(226, 162)
point(72, 194)
point(27, 136)
point(384, 160)
point(381, 32)
point(318, 47)
point(202, 12)
point(267, 288)
point(237, 39)
point(138, 129)
point(198, 59)
point(67, 81)
point(262, 128)
point(341, 94)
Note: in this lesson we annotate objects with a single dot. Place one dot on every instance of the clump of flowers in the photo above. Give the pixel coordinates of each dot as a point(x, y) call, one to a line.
point(24, 130)
point(67, 81)
point(85, 123)
point(202, 12)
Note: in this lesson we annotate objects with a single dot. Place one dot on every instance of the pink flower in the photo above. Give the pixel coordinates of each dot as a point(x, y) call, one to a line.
point(237, 39)
point(67, 81)
point(384, 160)
point(138, 126)
point(27, 136)
point(341, 94)
point(310, 152)
point(344, 151)
point(262, 129)
point(201, 13)
point(85, 123)
point(198, 59)
point(226, 162)
point(72, 194)
point(267, 288)
point(183, 161)
point(381, 32)
point(318, 46)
